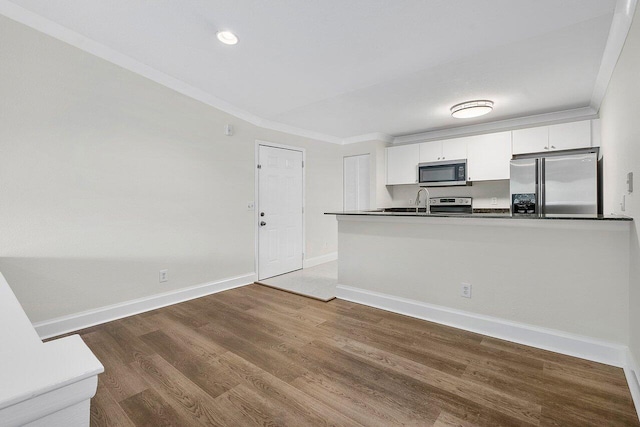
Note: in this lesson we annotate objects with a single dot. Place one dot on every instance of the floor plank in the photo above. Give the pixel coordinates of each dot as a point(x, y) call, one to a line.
point(148, 408)
point(258, 356)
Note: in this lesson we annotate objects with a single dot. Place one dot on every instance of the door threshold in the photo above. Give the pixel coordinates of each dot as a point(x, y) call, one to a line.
point(294, 292)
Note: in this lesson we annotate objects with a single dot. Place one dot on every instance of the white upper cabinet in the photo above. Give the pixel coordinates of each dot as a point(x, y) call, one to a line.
point(402, 164)
point(430, 151)
point(450, 149)
point(541, 139)
point(570, 135)
point(533, 140)
point(454, 149)
point(488, 157)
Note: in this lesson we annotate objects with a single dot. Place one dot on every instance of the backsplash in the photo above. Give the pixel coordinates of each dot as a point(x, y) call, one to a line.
point(481, 192)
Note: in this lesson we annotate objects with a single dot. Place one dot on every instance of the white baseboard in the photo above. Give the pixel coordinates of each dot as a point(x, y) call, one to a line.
point(534, 336)
point(632, 372)
point(312, 262)
point(77, 321)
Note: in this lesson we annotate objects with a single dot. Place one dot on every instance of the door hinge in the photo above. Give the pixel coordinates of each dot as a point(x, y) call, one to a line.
point(303, 209)
point(303, 163)
point(259, 166)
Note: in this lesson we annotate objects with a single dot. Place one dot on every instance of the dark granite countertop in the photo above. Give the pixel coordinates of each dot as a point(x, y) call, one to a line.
point(505, 215)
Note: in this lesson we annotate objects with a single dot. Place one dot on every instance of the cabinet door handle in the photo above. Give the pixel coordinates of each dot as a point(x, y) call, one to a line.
point(546, 148)
point(442, 157)
point(553, 146)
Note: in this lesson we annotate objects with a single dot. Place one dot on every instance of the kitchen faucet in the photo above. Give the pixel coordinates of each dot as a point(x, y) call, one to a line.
point(427, 206)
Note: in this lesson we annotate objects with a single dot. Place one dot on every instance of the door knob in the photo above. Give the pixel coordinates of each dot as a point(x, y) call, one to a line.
point(262, 223)
point(261, 213)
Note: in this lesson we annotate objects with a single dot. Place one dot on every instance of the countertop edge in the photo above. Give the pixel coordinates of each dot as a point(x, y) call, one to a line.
point(378, 214)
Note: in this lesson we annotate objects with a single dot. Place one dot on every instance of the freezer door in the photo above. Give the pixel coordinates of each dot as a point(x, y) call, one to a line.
point(571, 184)
point(524, 186)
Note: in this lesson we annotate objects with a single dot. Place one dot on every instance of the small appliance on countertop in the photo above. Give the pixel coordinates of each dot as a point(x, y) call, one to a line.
point(451, 205)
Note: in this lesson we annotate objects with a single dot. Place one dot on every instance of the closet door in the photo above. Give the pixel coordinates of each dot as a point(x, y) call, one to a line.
point(356, 183)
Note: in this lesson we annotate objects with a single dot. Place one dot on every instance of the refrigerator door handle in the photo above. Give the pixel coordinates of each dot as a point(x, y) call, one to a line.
point(541, 183)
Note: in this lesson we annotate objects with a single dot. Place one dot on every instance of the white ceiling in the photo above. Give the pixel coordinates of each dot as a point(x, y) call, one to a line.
point(348, 68)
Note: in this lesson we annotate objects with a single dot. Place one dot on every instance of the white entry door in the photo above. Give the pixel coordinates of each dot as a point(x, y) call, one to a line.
point(279, 211)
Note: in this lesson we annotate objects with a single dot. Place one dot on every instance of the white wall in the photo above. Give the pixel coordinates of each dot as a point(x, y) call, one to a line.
point(107, 177)
point(482, 193)
point(621, 152)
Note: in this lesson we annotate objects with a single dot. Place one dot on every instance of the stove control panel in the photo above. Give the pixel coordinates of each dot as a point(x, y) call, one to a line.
point(450, 201)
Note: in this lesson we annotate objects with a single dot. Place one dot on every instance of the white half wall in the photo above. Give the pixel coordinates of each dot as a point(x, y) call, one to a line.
point(569, 276)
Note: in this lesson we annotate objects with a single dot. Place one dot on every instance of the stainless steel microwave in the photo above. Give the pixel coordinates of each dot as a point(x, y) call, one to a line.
point(442, 174)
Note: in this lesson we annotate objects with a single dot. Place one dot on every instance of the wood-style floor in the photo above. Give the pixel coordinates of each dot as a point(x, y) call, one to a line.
point(259, 356)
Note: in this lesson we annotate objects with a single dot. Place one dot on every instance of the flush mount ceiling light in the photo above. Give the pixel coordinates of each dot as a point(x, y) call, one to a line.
point(470, 109)
point(227, 37)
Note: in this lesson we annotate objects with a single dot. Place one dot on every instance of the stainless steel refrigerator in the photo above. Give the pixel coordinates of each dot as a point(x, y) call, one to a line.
point(562, 184)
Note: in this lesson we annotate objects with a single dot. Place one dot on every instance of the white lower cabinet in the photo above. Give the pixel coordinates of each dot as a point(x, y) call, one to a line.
point(402, 164)
point(488, 157)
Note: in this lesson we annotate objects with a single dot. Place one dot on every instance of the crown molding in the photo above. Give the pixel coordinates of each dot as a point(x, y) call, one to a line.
point(584, 113)
point(620, 26)
point(375, 136)
point(57, 31)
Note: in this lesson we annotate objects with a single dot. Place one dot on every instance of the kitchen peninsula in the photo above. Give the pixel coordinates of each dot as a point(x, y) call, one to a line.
point(559, 283)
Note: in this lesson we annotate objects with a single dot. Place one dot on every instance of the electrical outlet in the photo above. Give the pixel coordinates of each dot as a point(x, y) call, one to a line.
point(164, 276)
point(250, 205)
point(494, 201)
point(411, 202)
point(465, 290)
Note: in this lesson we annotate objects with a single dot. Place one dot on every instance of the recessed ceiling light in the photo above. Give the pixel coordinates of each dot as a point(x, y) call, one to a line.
point(470, 109)
point(227, 37)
